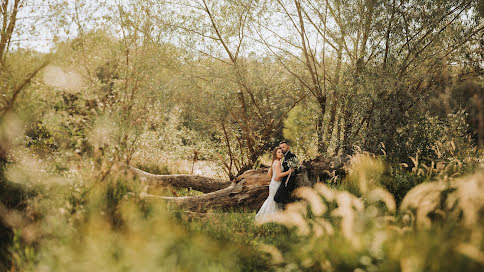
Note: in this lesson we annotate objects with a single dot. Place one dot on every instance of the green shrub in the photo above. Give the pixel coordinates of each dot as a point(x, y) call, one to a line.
point(399, 181)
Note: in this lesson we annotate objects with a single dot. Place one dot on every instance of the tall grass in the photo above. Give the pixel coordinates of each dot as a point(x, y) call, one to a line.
point(112, 229)
point(438, 226)
point(90, 216)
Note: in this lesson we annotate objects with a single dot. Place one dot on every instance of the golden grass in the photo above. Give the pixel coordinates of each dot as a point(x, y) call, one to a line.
point(373, 223)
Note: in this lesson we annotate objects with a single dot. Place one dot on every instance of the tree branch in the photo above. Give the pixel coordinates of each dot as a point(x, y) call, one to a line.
point(19, 88)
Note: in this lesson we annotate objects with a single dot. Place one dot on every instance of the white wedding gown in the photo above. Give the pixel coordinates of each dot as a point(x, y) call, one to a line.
point(270, 207)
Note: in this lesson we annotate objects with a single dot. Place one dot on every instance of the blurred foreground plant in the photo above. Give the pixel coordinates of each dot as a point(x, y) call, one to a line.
point(342, 232)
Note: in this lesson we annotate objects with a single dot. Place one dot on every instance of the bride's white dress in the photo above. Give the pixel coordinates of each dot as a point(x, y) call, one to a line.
point(270, 207)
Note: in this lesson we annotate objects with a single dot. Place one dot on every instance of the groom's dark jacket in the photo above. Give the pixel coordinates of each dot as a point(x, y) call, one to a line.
point(283, 194)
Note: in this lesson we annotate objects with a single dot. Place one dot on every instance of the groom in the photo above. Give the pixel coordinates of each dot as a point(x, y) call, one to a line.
point(283, 194)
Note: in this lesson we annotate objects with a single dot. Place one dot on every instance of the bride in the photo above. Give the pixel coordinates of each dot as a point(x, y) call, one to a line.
point(270, 207)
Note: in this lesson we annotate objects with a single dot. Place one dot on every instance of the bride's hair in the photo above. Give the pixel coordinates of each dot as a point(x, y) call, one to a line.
point(274, 153)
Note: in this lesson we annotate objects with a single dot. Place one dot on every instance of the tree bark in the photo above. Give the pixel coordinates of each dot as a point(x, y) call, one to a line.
point(348, 126)
point(8, 27)
point(338, 135)
point(199, 183)
point(335, 98)
point(248, 190)
point(320, 132)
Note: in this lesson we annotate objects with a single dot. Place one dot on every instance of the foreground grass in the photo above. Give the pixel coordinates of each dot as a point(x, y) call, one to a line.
point(104, 225)
point(112, 229)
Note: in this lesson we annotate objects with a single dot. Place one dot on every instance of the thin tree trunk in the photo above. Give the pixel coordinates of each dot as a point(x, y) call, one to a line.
point(387, 36)
point(322, 146)
point(338, 135)
point(320, 131)
point(335, 97)
point(231, 155)
point(331, 122)
point(8, 27)
point(367, 27)
point(9, 105)
point(480, 118)
point(348, 126)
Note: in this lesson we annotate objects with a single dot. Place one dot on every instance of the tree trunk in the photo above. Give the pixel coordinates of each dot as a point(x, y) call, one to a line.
point(331, 122)
point(320, 134)
point(8, 26)
point(348, 127)
point(335, 98)
point(338, 135)
point(199, 183)
point(480, 126)
point(247, 191)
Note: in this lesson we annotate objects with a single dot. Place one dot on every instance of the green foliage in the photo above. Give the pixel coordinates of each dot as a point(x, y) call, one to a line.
point(299, 129)
point(23, 254)
point(169, 86)
point(398, 181)
point(468, 97)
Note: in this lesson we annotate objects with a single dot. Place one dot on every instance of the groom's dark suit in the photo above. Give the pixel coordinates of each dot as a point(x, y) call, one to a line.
point(283, 194)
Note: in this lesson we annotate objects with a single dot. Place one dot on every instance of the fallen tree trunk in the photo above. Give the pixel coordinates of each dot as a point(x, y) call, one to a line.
point(199, 183)
point(249, 190)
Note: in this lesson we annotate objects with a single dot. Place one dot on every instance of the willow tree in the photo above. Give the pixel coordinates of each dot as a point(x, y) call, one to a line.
point(368, 63)
point(251, 119)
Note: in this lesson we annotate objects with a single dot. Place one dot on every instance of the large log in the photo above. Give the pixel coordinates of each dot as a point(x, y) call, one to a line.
point(249, 190)
point(199, 183)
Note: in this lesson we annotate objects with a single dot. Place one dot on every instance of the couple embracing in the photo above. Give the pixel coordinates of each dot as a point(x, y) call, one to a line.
point(282, 183)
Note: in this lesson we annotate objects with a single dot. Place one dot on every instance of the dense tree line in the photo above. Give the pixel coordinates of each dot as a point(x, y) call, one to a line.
point(392, 75)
